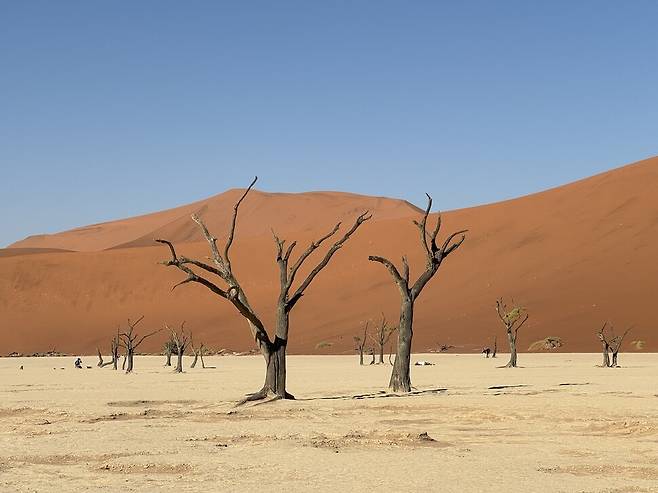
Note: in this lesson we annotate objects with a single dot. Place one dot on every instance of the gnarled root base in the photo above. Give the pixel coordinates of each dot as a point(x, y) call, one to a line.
point(264, 394)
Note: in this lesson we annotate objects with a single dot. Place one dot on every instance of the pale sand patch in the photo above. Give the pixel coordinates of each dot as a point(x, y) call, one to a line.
point(559, 424)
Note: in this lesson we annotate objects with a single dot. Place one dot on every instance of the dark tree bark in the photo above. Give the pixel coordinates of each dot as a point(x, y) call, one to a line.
point(100, 358)
point(273, 350)
point(513, 319)
point(495, 348)
point(360, 343)
point(400, 380)
point(130, 342)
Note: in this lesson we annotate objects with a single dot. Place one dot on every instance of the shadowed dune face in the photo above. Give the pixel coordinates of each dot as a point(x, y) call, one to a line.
point(574, 256)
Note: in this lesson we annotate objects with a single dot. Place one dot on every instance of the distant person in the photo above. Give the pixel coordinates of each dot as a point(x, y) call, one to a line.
point(486, 351)
point(78, 363)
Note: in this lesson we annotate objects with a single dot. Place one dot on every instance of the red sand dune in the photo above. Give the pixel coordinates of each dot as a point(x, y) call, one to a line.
point(575, 256)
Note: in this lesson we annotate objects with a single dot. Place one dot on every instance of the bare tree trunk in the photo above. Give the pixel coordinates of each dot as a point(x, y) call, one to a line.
point(361, 356)
point(606, 356)
point(203, 364)
point(400, 378)
point(275, 374)
point(372, 353)
point(495, 348)
point(381, 355)
point(168, 360)
point(123, 364)
point(196, 357)
point(129, 359)
point(511, 336)
point(614, 359)
point(179, 362)
point(100, 358)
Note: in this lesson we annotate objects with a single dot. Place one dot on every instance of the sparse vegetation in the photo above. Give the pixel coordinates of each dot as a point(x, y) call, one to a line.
point(546, 344)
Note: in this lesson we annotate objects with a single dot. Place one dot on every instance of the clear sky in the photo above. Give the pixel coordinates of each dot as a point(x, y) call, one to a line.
point(115, 108)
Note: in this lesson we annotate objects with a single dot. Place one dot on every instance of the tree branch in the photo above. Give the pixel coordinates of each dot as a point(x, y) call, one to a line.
point(363, 217)
point(229, 240)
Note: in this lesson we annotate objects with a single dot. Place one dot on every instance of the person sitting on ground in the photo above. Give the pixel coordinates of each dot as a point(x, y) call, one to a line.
point(78, 363)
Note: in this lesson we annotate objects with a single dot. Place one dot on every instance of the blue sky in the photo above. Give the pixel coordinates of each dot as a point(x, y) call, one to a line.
point(115, 108)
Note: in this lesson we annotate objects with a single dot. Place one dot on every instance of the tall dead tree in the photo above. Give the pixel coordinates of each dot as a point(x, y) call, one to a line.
point(605, 344)
point(513, 319)
point(435, 255)
point(381, 337)
point(130, 342)
point(273, 350)
point(181, 340)
point(360, 343)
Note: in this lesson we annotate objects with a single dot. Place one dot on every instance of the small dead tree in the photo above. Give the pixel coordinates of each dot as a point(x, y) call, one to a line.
point(198, 353)
point(435, 255)
point(272, 349)
point(615, 346)
point(360, 343)
point(130, 342)
point(513, 318)
point(114, 352)
point(605, 344)
point(114, 348)
point(382, 334)
point(181, 340)
point(169, 349)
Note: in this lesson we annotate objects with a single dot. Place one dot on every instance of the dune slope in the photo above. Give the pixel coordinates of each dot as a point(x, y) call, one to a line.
point(575, 256)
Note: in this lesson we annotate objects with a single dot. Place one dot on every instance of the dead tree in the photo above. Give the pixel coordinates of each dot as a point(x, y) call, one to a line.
point(615, 346)
point(273, 349)
point(400, 379)
point(181, 341)
point(114, 351)
point(198, 353)
point(360, 343)
point(495, 347)
point(513, 319)
point(130, 342)
point(100, 363)
point(381, 337)
point(114, 348)
point(372, 353)
point(605, 346)
point(169, 349)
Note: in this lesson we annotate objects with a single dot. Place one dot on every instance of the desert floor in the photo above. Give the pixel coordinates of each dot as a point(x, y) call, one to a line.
point(562, 425)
